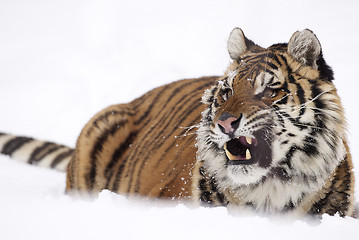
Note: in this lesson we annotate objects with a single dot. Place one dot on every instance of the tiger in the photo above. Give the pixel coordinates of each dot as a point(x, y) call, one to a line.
point(268, 136)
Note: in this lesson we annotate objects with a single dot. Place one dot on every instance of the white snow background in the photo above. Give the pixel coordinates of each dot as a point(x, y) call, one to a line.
point(63, 61)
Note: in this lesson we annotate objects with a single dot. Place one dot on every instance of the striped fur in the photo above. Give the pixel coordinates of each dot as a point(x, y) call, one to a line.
point(32, 151)
point(150, 138)
point(169, 143)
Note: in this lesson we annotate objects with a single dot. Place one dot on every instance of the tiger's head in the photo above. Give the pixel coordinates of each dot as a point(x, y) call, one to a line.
point(274, 116)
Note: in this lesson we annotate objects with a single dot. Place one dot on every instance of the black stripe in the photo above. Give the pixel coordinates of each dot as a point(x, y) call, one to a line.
point(290, 205)
point(275, 58)
point(316, 91)
point(261, 116)
point(116, 181)
point(270, 83)
point(14, 144)
point(213, 92)
point(285, 87)
point(270, 72)
point(150, 108)
point(61, 157)
point(168, 184)
point(291, 79)
point(296, 122)
point(300, 94)
point(202, 184)
point(279, 172)
point(284, 59)
point(221, 198)
point(42, 151)
point(300, 91)
point(272, 65)
point(98, 147)
point(33, 157)
point(284, 100)
point(105, 116)
point(205, 198)
point(213, 185)
point(135, 104)
point(310, 146)
point(259, 57)
point(280, 118)
point(274, 84)
point(290, 153)
point(117, 154)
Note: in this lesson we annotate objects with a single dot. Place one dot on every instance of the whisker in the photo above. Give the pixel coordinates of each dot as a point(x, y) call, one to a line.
point(312, 100)
point(190, 128)
point(288, 94)
point(297, 123)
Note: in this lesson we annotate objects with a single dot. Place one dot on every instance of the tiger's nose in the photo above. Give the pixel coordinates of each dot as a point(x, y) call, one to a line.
point(228, 123)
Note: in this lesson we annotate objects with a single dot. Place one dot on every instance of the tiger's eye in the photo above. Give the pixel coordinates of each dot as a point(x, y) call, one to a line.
point(268, 93)
point(227, 94)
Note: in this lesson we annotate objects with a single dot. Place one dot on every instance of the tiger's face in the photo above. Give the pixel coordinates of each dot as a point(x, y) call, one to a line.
point(273, 116)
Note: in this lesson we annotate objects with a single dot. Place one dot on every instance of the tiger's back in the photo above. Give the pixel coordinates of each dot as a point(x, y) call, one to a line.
point(146, 147)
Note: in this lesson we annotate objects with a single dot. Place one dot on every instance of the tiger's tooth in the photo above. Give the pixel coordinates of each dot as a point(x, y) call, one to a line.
point(249, 140)
point(248, 154)
point(230, 155)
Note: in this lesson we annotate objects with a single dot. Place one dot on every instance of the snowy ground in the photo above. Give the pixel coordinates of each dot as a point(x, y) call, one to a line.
point(62, 61)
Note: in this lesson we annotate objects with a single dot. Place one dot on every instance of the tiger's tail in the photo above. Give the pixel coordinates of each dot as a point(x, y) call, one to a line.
point(36, 152)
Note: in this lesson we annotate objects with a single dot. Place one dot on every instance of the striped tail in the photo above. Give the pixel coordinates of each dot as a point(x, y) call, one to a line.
point(32, 151)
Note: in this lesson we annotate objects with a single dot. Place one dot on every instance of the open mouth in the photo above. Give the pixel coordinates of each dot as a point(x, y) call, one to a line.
point(241, 150)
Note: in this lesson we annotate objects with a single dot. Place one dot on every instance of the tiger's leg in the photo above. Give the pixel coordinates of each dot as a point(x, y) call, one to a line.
point(104, 138)
point(338, 196)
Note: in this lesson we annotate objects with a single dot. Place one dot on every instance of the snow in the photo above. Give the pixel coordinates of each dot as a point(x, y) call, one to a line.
point(62, 61)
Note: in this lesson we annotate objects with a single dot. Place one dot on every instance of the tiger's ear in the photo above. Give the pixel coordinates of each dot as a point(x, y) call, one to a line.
point(305, 48)
point(236, 43)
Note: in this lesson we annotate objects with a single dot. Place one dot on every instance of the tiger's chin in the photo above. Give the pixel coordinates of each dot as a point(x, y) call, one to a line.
point(246, 174)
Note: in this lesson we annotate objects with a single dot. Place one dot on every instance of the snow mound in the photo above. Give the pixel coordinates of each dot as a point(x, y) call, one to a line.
point(33, 203)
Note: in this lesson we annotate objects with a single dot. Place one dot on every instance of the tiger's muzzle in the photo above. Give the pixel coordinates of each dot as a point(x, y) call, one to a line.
point(245, 150)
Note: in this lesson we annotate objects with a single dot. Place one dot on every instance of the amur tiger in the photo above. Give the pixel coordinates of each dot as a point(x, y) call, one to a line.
point(269, 136)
